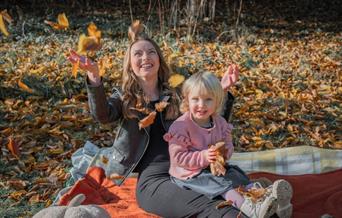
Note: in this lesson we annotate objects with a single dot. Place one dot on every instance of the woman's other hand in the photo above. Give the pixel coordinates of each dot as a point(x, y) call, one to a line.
point(230, 77)
point(211, 155)
point(86, 64)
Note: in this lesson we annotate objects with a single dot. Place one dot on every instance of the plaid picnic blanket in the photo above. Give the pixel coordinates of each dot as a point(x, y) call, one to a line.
point(289, 161)
point(283, 161)
point(293, 162)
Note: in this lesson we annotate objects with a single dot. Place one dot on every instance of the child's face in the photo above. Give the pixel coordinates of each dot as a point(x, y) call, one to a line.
point(144, 60)
point(201, 107)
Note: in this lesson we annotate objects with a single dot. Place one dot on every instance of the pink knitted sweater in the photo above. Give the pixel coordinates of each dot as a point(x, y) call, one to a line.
point(187, 142)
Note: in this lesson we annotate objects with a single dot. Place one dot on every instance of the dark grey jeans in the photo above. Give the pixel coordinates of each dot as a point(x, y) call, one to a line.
point(158, 195)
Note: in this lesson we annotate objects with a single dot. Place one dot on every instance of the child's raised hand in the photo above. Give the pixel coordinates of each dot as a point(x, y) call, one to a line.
point(230, 77)
point(211, 155)
point(86, 64)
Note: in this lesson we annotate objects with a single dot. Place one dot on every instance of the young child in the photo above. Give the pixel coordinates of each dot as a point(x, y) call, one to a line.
point(189, 137)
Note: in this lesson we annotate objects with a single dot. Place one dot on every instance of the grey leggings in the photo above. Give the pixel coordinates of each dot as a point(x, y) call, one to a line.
point(156, 194)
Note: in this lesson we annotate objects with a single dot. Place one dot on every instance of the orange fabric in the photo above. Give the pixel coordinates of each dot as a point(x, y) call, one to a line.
point(119, 202)
point(314, 194)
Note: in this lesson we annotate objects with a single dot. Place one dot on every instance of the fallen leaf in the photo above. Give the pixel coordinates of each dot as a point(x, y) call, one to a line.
point(104, 159)
point(75, 68)
point(17, 184)
point(103, 65)
point(24, 87)
point(34, 199)
point(338, 145)
point(13, 147)
point(17, 195)
point(253, 193)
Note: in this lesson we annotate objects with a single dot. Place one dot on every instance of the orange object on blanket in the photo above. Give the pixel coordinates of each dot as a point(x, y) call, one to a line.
point(313, 194)
point(117, 201)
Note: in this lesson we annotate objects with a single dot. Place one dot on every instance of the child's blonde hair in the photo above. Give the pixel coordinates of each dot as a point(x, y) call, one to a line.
point(202, 83)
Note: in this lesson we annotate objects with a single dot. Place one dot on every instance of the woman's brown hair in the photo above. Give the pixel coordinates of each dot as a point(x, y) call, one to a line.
point(133, 95)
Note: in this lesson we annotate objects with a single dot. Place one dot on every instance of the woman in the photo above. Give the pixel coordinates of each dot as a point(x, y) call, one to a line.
point(143, 150)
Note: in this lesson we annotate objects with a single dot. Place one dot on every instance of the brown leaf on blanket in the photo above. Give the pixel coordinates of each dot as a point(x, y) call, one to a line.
point(218, 167)
point(104, 159)
point(253, 193)
point(148, 120)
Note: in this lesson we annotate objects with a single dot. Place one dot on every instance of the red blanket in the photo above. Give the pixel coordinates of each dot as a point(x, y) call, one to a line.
point(314, 194)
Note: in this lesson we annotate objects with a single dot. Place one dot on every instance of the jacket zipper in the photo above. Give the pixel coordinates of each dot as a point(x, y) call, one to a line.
point(136, 163)
point(162, 120)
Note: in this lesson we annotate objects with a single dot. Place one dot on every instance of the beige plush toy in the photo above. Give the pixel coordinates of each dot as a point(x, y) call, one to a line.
point(73, 210)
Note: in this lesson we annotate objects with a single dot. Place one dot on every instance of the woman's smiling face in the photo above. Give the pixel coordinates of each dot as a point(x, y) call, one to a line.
point(144, 60)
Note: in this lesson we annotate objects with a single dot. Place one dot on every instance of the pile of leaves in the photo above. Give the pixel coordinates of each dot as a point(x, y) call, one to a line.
point(289, 92)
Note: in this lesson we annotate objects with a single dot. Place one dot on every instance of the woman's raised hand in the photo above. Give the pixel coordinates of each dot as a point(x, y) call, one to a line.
point(86, 64)
point(230, 77)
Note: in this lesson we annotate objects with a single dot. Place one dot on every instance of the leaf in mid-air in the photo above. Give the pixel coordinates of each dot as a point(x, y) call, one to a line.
point(148, 120)
point(90, 42)
point(62, 22)
point(4, 16)
point(175, 80)
point(161, 106)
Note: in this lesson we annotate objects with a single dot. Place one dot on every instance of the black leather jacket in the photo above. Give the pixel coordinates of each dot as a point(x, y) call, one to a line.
point(130, 143)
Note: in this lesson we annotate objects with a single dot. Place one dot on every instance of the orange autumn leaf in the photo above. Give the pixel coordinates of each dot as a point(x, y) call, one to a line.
point(17, 195)
point(75, 67)
point(24, 87)
point(175, 80)
point(224, 204)
point(13, 147)
point(34, 199)
point(253, 193)
point(218, 167)
point(6, 16)
point(104, 159)
point(94, 32)
point(62, 22)
point(3, 26)
point(103, 65)
point(136, 27)
point(90, 42)
point(161, 106)
point(148, 120)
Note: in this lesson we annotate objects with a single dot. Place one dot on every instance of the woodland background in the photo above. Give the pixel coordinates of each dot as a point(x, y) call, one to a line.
point(289, 92)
